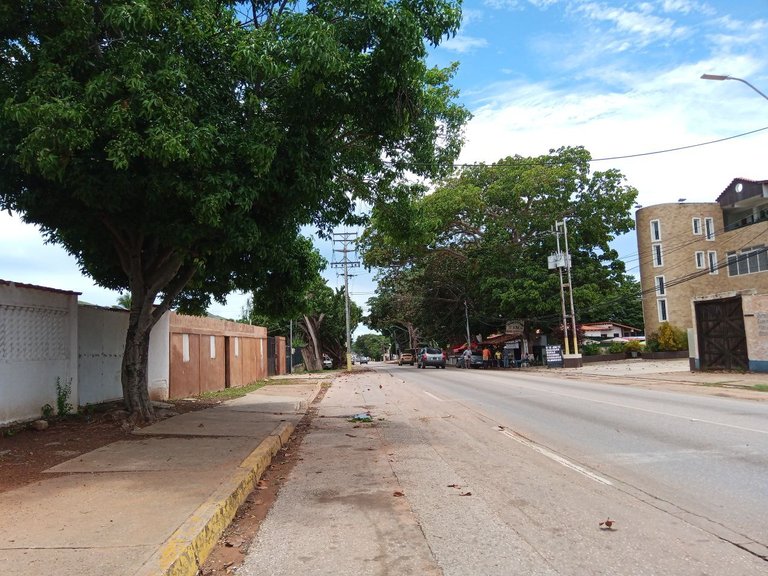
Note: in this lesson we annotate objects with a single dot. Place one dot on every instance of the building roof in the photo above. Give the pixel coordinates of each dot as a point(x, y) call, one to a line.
point(34, 287)
point(750, 189)
point(605, 326)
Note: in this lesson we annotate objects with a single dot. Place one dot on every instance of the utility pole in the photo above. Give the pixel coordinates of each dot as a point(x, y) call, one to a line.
point(570, 287)
point(466, 316)
point(557, 260)
point(345, 239)
point(562, 260)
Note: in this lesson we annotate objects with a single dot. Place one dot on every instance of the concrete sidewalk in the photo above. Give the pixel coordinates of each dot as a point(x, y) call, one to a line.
point(153, 506)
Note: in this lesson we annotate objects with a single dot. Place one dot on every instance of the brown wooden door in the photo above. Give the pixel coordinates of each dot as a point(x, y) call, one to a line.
point(721, 336)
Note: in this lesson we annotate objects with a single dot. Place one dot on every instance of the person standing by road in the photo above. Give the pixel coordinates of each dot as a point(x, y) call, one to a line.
point(486, 357)
point(467, 357)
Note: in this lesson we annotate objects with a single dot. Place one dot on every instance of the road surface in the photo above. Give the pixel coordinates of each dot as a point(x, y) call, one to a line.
point(504, 473)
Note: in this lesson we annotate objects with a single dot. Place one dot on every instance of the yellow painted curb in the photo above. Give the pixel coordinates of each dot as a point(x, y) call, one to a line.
point(188, 547)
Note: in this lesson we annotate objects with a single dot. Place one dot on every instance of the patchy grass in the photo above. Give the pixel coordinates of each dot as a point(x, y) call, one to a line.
point(238, 392)
point(229, 393)
point(734, 384)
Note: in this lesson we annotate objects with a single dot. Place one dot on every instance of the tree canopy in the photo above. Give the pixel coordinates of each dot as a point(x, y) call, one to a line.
point(482, 237)
point(175, 148)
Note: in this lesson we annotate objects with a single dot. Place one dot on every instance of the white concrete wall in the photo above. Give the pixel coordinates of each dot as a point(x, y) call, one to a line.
point(45, 335)
point(38, 344)
point(100, 350)
point(101, 347)
point(159, 370)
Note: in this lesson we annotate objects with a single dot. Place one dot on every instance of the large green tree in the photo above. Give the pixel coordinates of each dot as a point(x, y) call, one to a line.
point(371, 345)
point(175, 147)
point(482, 239)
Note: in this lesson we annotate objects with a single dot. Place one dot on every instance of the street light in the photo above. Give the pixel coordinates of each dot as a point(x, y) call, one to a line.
point(721, 77)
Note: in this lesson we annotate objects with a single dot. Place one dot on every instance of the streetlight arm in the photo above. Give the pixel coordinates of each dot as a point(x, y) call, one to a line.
point(722, 77)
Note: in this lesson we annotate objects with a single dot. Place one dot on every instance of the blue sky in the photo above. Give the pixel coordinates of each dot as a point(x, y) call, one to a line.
point(619, 78)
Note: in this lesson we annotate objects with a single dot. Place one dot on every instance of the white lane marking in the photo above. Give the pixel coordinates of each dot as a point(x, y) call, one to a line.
point(433, 396)
point(650, 411)
point(557, 458)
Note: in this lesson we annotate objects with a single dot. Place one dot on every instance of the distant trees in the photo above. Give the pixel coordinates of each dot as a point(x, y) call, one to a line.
point(176, 148)
point(481, 240)
point(371, 345)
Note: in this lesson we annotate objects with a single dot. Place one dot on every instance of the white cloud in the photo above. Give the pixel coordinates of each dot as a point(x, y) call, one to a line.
point(461, 43)
point(686, 7)
point(503, 4)
point(640, 24)
point(654, 112)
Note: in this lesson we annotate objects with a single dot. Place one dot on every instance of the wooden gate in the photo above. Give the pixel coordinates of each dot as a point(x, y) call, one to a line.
point(721, 337)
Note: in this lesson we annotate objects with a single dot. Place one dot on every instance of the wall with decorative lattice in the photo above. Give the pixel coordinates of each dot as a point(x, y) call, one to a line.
point(38, 345)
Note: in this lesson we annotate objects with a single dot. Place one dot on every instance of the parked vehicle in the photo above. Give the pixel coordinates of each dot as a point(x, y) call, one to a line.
point(327, 362)
point(431, 357)
point(406, 357)
point(475, 362)
point(364, 359)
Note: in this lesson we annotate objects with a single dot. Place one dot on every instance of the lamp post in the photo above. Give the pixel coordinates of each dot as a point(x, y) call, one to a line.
point(723, 77)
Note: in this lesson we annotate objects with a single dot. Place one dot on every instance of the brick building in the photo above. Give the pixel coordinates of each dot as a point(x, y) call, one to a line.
point(691, 250)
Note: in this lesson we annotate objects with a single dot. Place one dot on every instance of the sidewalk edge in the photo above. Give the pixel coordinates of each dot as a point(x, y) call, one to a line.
point(188, 547)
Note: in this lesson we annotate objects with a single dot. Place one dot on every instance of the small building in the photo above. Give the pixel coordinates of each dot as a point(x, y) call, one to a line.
point(605, 330)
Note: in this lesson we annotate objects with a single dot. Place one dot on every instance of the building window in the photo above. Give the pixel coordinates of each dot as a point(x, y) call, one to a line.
point(660, 287)
point(748, 261)
point(709, 228)
point(185, 347)
point(696, 225)
point(662, 303)
point(237, 346)
point(657, 257)
point(699, 260)
point(655, 231)
point(712, 259)
point(213, 347)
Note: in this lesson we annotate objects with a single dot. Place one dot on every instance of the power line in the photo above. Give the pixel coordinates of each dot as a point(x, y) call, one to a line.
point(346, 239)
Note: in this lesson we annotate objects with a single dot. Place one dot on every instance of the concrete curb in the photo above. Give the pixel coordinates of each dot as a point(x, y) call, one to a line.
point(188, 547)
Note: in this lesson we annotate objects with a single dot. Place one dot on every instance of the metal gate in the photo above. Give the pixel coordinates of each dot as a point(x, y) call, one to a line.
point(271, 355)
point(721, 337)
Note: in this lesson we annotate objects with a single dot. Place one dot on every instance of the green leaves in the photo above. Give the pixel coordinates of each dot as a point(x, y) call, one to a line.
point(140, 132)
point(484, 236)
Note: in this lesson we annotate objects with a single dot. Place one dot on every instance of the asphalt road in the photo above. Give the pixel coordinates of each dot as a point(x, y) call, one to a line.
point(702, 458)
point(500, 473)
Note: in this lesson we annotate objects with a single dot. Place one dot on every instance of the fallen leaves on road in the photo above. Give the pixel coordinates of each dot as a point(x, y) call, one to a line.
point(397, 493)
point(607, 524)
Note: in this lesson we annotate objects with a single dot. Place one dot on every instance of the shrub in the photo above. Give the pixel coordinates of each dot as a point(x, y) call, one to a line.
point(633, 346)
point(63, 392)
point(590, 349)
point(616, 348)
point(652, 342)
point(671, 338)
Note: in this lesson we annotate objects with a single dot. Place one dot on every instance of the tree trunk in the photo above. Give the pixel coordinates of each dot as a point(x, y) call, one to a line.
point(413, 335)
point(151, 270)
point(313, 355)
point(136, 359)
